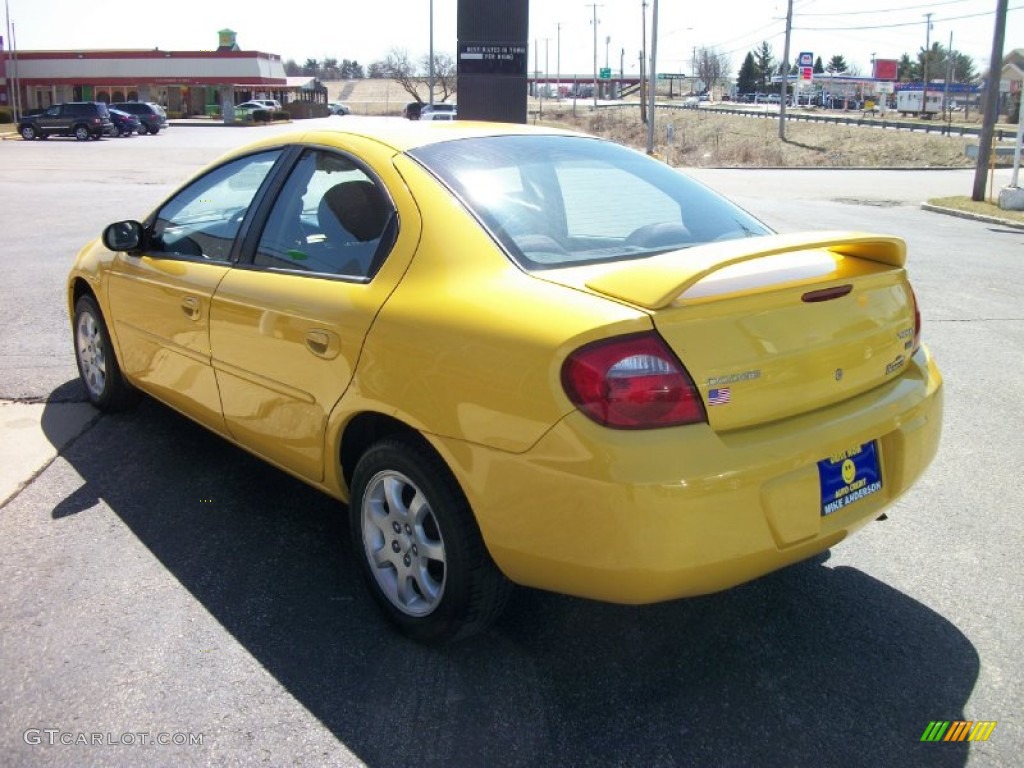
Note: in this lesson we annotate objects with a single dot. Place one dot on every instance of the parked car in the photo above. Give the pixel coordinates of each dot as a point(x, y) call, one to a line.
point(124, 123)
point(435, 116)
point(152, 116)
point(439, 108)
point(81, 119)
point(337, 108)
point(522, 356)
point(252, 106)
point(271, 104)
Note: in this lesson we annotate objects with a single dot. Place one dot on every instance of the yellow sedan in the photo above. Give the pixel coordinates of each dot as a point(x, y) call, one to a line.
point(520, 357)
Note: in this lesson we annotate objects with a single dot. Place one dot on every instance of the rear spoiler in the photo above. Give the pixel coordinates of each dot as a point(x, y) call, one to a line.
point(655, 282)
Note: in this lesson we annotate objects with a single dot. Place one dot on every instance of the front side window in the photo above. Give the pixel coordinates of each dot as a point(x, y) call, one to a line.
point(554, 201)
point(331, 218)
point(203, 219)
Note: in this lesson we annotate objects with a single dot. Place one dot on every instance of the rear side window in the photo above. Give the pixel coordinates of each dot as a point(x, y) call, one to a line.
point(554, 201)
point(331, 218)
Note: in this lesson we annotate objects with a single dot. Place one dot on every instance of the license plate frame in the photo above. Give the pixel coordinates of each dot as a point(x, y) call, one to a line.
point(849, 476)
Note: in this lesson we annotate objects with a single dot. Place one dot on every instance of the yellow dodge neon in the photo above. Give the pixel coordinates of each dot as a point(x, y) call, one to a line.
point(520, 356)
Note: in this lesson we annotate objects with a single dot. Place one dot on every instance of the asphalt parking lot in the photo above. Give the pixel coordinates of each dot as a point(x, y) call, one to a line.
point(162, 586)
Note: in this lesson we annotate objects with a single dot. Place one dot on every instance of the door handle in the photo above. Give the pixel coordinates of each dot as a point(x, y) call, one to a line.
point(190, 306)
point(321, 343)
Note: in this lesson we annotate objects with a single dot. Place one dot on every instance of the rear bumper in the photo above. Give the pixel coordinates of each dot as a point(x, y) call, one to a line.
point(637, 517)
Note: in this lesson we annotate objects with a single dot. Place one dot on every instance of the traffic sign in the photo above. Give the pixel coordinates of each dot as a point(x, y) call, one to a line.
point(806, 59)
point(606, 73)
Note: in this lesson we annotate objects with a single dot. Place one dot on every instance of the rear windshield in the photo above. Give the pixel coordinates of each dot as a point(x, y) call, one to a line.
point(555, 201)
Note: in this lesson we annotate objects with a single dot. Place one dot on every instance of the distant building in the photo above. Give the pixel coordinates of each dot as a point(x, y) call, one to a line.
point(184, 82)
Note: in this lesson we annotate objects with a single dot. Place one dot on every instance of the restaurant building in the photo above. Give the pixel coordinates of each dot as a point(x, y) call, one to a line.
point(185, 83)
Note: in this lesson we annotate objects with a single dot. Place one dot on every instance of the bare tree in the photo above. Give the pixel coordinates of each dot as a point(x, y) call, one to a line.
point(710, 66)
point(446, 79)
point(415, 80)
point(399, 67)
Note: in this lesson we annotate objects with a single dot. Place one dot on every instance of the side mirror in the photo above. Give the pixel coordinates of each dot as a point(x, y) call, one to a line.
point(123, 236)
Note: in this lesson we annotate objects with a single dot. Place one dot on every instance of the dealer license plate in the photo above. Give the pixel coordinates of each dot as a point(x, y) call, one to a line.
point(848, 477)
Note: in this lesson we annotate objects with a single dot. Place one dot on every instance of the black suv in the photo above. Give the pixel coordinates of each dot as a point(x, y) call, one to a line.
point(81, 119)
point(152, 116)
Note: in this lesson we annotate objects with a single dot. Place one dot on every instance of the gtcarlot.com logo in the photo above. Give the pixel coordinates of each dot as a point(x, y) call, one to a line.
point(52, 737)
point(958, 730)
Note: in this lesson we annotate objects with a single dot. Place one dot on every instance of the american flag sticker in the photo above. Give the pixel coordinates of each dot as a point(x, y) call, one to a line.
point(718, 396)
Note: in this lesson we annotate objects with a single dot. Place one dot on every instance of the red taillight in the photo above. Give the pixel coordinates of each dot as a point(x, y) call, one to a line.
point(632, 382)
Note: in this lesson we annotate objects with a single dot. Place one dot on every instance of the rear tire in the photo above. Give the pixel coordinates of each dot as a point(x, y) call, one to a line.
point(98, 369)
point(419, 546)
point(82, 132)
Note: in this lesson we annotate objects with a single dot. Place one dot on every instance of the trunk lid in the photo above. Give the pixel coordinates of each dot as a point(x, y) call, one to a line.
point(773, 326)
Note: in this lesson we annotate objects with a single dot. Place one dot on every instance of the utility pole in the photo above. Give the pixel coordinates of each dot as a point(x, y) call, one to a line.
point(643, 58)
point(949, 76)
point(785, 72)
point(547, 71)
point(595, 6)
point(988, 124)
point(558, 59)
point(431, 52)
point(653, 77)
point(924, 66)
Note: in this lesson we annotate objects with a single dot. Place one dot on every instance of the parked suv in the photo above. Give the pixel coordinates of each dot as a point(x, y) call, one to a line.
point(81, 119)
point(152, 116)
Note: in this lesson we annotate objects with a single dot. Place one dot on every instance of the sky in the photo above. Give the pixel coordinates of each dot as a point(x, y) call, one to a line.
point(560, 30)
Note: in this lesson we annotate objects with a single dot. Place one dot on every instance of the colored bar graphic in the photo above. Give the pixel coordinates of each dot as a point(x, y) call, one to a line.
point(935, 731)
point(982, 730)
point(958, 730)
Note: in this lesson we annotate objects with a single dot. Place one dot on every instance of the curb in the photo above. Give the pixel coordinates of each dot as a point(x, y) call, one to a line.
point(34, 435)
point(972, 216)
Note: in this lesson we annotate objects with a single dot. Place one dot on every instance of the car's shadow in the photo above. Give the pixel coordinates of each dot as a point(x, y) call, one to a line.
point(811, 665)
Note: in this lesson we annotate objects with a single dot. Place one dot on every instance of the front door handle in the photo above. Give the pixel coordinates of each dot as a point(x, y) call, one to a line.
point(190, 306)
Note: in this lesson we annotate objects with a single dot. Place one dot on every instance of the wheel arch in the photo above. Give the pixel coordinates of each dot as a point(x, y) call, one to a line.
point(364, 430)
point(80, 287)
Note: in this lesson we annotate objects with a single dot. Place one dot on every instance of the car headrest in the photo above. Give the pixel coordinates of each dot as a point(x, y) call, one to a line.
point(358, 206)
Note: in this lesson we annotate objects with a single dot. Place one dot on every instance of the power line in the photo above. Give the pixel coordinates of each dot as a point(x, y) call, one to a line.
point(888, 10)
point(903, 23)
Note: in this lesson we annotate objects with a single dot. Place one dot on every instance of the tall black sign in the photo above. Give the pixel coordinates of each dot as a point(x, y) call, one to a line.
point(492, 60)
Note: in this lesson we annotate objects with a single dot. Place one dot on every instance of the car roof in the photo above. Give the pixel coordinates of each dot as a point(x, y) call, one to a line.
point(403, 135)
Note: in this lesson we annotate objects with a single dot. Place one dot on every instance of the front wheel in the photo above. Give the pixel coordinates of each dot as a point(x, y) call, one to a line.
point(28, 132)
point(104, 384)
point(419, 547)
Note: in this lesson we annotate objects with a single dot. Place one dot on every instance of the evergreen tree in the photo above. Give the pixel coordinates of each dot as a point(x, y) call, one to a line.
point(908, 71)
point(819, 68)
point(764, 65)
point(836, 65)
point(746, 82)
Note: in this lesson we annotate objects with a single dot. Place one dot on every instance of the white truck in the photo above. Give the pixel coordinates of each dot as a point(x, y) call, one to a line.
point(909, 102)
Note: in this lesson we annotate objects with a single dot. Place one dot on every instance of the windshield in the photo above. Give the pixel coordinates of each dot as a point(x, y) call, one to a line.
point(555, 201)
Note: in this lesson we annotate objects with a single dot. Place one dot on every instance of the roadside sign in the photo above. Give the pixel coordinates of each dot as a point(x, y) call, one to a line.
point(806, 73)
point(806, 59)
point(606, 73)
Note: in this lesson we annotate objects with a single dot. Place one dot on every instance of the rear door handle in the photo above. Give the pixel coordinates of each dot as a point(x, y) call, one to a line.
point(190, 306)
point(321, 343)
